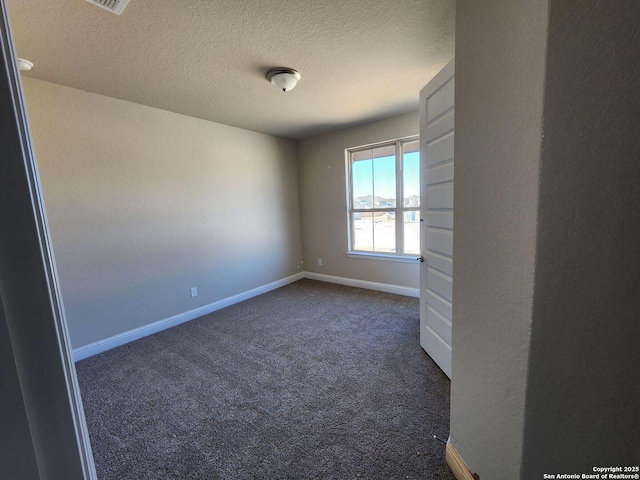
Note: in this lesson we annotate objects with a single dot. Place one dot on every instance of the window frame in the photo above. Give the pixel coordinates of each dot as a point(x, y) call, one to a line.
point(399, 210)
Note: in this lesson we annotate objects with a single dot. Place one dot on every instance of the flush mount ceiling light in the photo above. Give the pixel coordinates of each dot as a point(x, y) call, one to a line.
point(284, 78)
point(25, 65)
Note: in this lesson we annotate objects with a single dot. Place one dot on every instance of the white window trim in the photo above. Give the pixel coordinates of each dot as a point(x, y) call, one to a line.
point(399, 209)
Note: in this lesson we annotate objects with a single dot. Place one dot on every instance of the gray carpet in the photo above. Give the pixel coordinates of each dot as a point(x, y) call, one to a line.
point(310, 381)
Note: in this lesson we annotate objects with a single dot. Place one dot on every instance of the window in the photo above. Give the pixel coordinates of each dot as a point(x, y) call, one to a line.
point(384, 198)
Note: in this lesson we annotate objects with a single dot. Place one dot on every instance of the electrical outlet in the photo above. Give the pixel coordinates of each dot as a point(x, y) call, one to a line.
point(194, 292)
point(320, 262)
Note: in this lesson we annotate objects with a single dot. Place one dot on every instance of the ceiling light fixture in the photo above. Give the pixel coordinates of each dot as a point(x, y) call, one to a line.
point(24, 65)
point(284, 78)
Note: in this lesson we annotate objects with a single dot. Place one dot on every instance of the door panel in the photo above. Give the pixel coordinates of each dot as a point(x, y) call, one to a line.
point(441, 150)
point(440, 241)
point(440, 100)
point(440, 219)
point(439, 304)
point(440, 263)
point(440, 324)
point(440, 284)
point(441, 126)
point(440, 196)
point(436, 165)
point(441, 173)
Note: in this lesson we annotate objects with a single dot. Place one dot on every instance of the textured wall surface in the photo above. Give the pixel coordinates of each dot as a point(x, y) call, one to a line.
point(500, 55)
point(584, 383)
point(323, 196)
point(144, 204)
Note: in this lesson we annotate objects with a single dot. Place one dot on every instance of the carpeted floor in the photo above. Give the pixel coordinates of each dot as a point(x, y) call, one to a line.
point(310, 381)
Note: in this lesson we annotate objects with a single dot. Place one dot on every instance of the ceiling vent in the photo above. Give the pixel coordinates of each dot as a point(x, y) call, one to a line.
point(114, 6)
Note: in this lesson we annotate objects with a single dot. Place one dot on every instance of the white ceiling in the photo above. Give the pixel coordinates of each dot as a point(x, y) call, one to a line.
point(360, 60)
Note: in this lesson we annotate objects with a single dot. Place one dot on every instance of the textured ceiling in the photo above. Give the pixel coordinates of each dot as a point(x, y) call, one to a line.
point(360, 60)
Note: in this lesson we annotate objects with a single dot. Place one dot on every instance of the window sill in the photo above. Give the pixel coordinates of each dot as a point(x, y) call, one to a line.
point(382, 256)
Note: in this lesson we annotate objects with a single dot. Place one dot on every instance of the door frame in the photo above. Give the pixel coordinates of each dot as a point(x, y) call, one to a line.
point(29, 288)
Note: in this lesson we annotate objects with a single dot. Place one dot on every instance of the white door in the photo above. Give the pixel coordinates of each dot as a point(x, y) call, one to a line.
point(436, 216)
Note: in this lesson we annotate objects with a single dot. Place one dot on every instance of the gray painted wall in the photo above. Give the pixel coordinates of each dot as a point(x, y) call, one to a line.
point(583, 395)
point(321, 163)
point(144, 204)
point(545, 331)
point(500, 55)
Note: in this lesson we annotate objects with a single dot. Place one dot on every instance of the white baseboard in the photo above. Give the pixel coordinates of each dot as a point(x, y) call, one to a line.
point(352, 282)
point(100, 346)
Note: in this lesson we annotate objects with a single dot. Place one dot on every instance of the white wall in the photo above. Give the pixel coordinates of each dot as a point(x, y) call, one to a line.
point(323, 196)
point(144, 204)
point(500, 55)
point(583, 392)
point(545, 330)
